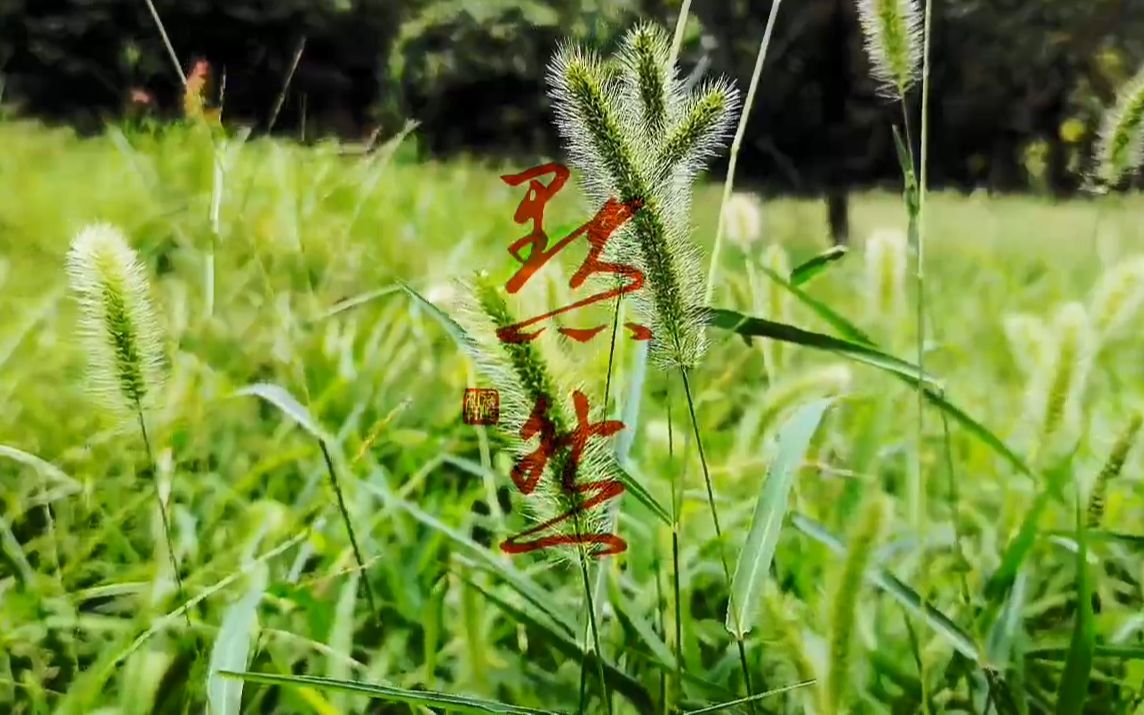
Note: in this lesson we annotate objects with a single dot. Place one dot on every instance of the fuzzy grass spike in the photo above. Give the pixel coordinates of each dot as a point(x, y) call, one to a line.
point(1119, 147)
point(635, 137)
point(117, 326)
point(1111, 470)
point(843, 604)
point(892, 31)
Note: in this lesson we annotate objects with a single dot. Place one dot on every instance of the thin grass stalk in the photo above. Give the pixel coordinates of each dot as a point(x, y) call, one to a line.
point(154, 467)
point(349, 527)
point(718, 531)
point(675, 505)
point(737, 143)
point(167, 42)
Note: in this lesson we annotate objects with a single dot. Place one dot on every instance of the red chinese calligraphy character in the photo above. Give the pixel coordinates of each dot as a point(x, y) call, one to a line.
point(611, 217)
point(526, 474)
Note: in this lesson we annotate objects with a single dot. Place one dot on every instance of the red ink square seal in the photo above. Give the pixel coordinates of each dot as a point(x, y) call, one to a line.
point(480, 406)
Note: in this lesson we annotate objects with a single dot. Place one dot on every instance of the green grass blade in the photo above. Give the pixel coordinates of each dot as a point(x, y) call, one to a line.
point(1061, 652)
point(642, 495)
point(519, 582)
point(618, 680)
point(750, 327)
point(354, 301)
point(942, 624)
point(232, 647)
point(770, 511)
point(427, 698)
point(805, 272)
point(852, 332)
point(751, 699)
point(451, 326)
point(1072, 691)
point(289, 406)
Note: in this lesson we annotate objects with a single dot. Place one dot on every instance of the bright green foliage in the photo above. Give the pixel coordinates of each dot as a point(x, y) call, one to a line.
point(384, 377)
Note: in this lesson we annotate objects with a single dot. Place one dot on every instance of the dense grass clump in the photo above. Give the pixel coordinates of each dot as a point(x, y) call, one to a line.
point(1035, 342)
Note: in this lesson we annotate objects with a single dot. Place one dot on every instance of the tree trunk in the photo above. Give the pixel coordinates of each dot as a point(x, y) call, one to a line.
point(836, 90)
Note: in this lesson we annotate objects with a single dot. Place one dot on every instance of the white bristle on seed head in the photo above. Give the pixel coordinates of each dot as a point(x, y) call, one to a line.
point(118, 327)
point(1119, 148)
point(892, 31)
point(1029, 340)
point(743, 218)
point(886, 273)
point(1118, 297)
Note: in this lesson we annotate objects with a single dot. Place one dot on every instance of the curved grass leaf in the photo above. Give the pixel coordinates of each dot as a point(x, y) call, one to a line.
point(285, 402)
point(942, 624)
point(45, 468)
point(354, 301)
point(617, 679)
point(451, 326)
point(750, 327)
point(770, 510)
point(804, 272)
point(1072, 691)
point(428, 698)
point(232, 647)
point(751, 699)
point(852, 332)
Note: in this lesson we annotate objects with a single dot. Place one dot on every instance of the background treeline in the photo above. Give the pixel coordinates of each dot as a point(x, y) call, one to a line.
point(1017, 85)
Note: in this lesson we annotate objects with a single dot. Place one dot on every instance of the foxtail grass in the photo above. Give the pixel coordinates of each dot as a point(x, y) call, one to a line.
point(1119, 148)
point(530, 390)
point(1117, 298)
point(886, 258)
point(120, 334)
point(637, 135)
point(843, 603)
point(1111, 470)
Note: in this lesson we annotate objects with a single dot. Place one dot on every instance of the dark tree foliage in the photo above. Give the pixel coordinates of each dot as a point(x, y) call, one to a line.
point(1006, 74)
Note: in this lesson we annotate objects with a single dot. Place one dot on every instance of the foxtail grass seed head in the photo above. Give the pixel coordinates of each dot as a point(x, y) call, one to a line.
point(1057, 391)
point(1119, 147)
point(743, 219)
point(525, 374)
point(843, 602)
point(118, 327)
point(634, 135)
point(886, 275)
point(892, 31)
point(1029, 341)
point(1111, 470)
point(1117, 297)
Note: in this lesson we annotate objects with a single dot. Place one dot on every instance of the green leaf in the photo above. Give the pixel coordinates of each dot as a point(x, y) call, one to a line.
point(761, 327)
point(1019, 548)
point(354, 301)
point(750, 699)
point(770, 510)
point(642, 495)
point(520, 582)
point(618, 680)
point(1060, 652)
point(942, 624)
point(232, 647)
point(804, 272)
point(428, 698)
point(935, 398)
point(1073, 688)
point(451, 326)
point(284, 401)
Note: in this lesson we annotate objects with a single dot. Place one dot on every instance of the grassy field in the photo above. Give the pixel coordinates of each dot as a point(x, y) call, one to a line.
point(89, 619)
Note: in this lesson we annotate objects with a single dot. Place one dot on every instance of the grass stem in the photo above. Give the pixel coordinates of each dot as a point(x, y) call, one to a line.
point(718, 529)
point(349, 527)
